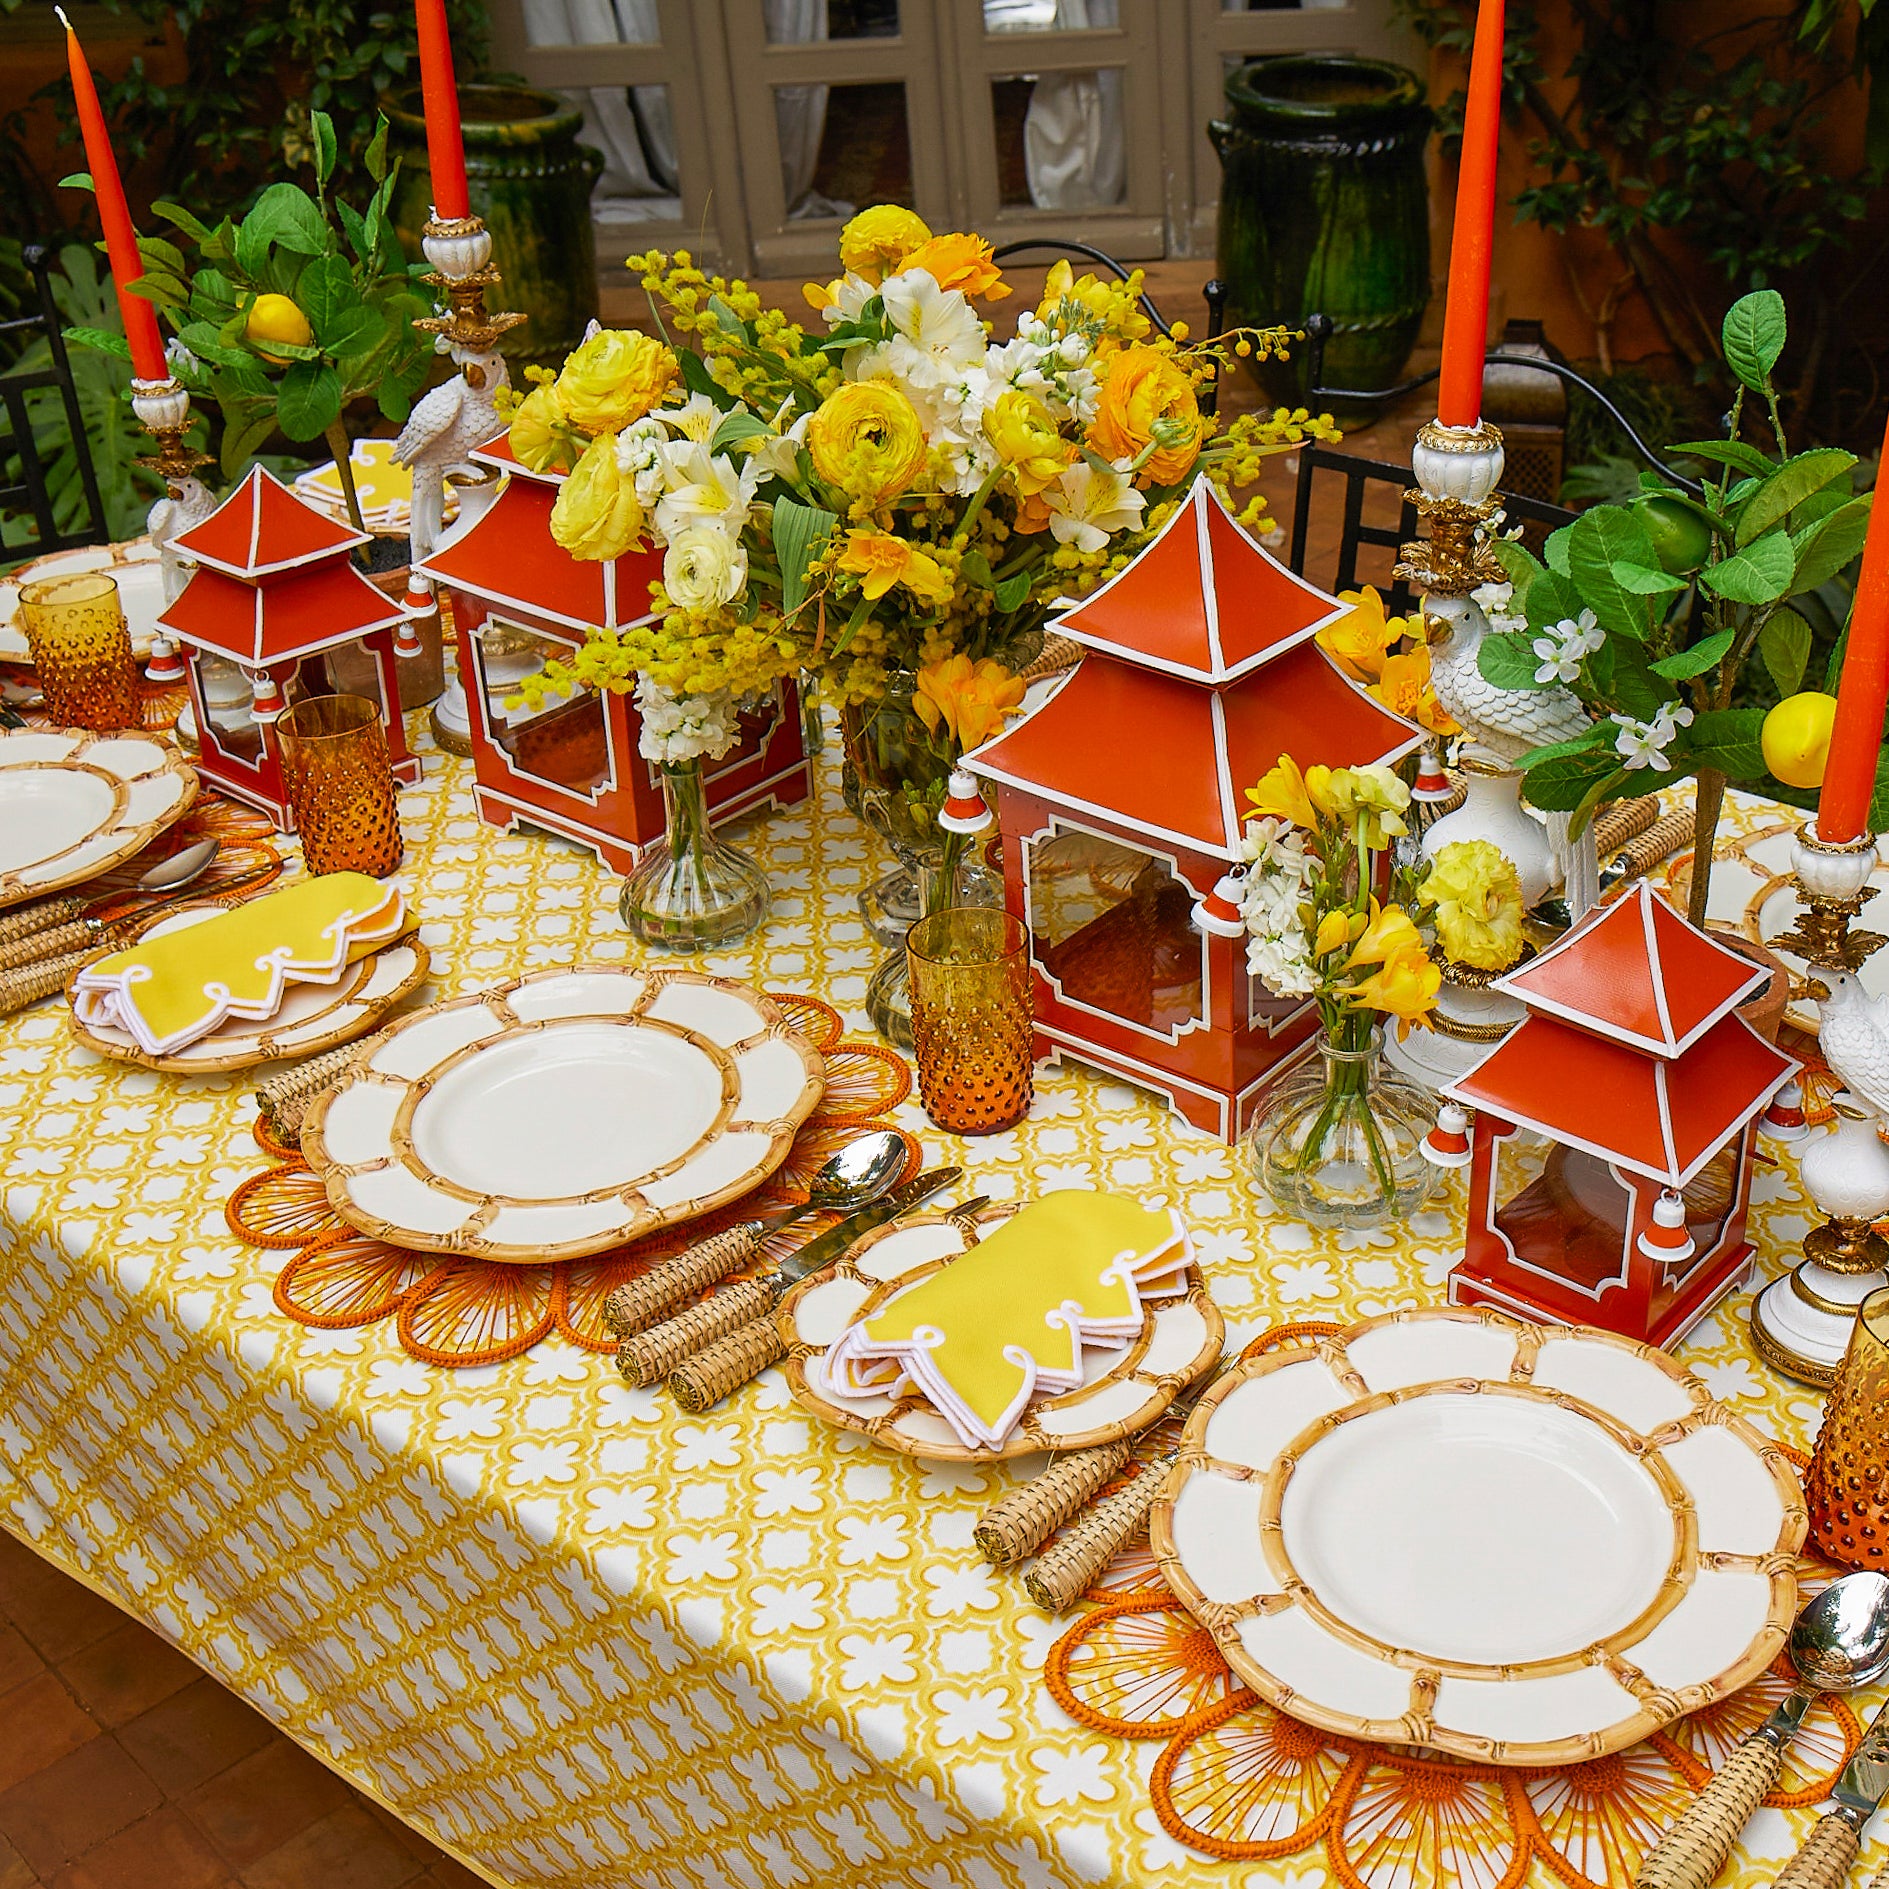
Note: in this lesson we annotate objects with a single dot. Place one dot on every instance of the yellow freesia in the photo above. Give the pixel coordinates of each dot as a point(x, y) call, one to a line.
point(1478, 898)
point(1372, 794)
point(541, 439)
point(615, 377)
point(1357, 642)
point(867, 439)
point(1403, 987)
point(880, 560)
point(967, 699)
point(1144, 386)
point(1389, 932)
point(1334, 929)
point(1287, 794)
point(1019, 426)
point(877, 241)
point(1113, 306)
point(960, 262)
point(596, 515)
point(1405, 689)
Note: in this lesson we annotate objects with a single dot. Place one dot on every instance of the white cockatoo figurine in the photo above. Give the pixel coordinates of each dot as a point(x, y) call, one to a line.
point(1507, 722)
point(441, 433)
point(183, 507)
point(1853, 1034)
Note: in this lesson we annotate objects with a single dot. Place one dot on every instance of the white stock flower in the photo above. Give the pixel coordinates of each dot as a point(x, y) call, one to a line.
point(1086, 507)
point(640, 456)
point(705, 566)
point(1284, 969)
point(679, 728)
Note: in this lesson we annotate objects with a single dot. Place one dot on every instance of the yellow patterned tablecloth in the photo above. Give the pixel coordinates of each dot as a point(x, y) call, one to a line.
point(571, 1635)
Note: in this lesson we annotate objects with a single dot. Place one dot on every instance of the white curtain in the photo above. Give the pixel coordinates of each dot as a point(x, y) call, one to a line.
point(800, 110)
point(1074, 152)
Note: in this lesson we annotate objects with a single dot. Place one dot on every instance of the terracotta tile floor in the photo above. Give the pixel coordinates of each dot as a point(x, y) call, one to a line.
point(122, 1766)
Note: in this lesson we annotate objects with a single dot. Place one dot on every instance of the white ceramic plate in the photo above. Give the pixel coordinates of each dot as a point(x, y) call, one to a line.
point(1128, 1390)
point(563, 1113)
point(312, 1017)
point(140, 591)
point(1519, 1545)
point(73, 804)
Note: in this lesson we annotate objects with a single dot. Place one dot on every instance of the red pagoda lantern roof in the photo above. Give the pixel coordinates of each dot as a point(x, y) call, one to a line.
point(510, 558)
point(262, 528)
point(263, 623)
point(1201, 600)
point(1171, 759)
point(1637, 972)
point(1663, 1117)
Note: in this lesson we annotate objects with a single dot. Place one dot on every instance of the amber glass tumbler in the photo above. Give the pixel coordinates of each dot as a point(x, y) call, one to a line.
point(75, 632)
point(340, 784)
point(971, 1018)
point(1848, 1486)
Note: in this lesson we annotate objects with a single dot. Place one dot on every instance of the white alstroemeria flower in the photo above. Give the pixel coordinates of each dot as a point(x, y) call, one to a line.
point(1644, 744)
point(936, 335)
point(1086, 507)
point(851, 293)
point(696, 418)
point(699, 488)
point(704, 567)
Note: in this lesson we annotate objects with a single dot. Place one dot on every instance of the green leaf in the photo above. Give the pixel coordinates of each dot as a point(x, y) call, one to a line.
point(1012, 592)
point(1879, 800)
point(1557, 550)
point(1596, 541)
point(1508, 662)
point(242, 437)
point(1561, 782)
point(1683, 664)
point(1521, 566)
point(1622, 677)
point(185, 220)
point(1784, 643)
point(1727, 739)
point(736, 426)
point(1729, 452)
point(1760, 573)
point(356, 228)
point(1789, 486)
point(1754, 334)
point(100, 339)
point(323, 128)
point(1551, 600)
point(799, 531)
point(394, 401)
point(309, 400)
point(1608, 787)
point(352, 338)
point(77, 180)
point(698, 380)
point(325, 292)
point(1826, 547)
point(1644, 581)
point(287, 216)
point(375, 156)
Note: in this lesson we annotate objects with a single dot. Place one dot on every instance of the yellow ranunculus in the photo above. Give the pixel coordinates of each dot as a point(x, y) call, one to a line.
point(880, 560)
point(1357, 642)
point(969, 699)
point(596, 514)
point(960, 262)
point(1116, 306)
point(615, 377)
point(1388, 932)
point(867, 439)
point(877, 241)
point(1334, 929)
point(1405, 689)
point(1287, 794)
point(1025, 436)
point(1478, 898)
point(540, 437)
point(1144, 386)
point(1404, 987)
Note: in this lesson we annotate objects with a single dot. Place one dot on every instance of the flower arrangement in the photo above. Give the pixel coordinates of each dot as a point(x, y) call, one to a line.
point(1389, 657)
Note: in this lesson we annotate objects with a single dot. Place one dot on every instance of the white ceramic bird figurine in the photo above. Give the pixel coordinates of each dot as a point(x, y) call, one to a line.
point(441, 433)
point(1853, 1034)
point(170, 518)
point(1507, 722)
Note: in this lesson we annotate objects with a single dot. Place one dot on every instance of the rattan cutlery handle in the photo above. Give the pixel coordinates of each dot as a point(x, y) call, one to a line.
point(1824, 1859)
point(647, 1301)
point(1063, 1575)
point(41, 915)
point(1026, 1517)
point(1693, 1850)
point(33, 981)
point(649, 1356)
point(54, 942)
point(725, 1366)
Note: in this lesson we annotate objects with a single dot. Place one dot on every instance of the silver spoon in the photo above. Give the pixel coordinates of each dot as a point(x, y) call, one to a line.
point(180, 869)
point(859, 1172)
point(1839, 1642)
point(68, 910)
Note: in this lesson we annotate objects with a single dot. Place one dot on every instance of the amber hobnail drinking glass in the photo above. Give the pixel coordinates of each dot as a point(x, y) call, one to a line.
point(1847, 1489)
point(971, 1018)
point(340, 784)
point(75, 632)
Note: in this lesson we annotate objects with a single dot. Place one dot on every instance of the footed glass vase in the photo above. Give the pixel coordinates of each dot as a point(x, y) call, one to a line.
point(692, 891)
point(1340, 1143)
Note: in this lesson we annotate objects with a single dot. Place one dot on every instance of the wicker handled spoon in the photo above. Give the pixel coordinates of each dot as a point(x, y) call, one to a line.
point(82, 933)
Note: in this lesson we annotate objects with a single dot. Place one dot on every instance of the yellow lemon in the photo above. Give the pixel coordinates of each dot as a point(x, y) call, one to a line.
point(1796, 738)
point(276, 318)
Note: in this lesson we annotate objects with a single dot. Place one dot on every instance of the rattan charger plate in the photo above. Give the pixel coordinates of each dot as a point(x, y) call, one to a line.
point(75, 804)
point(311, 1018)
point(1180, 1342)
point(563, 1113)
point(1518, 1545)
point(135, 568)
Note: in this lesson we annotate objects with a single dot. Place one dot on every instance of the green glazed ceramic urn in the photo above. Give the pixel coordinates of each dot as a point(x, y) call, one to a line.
point(530, 179)
point(1324, 208)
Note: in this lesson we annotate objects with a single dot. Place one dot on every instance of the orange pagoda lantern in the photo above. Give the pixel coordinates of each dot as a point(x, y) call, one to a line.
point(1122, 798)
point(274, 590)
point(1610, 1159)
point(571, 765)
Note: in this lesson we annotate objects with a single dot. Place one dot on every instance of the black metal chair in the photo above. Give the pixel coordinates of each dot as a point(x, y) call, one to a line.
point(27, 494)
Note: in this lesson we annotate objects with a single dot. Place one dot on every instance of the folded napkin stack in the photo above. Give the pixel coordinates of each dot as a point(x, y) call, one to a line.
point(178, 985)
point(1042, 1304)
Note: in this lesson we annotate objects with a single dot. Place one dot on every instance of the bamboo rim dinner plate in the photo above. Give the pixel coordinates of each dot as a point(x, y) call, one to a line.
point(73, 804)
point(133, 565)
point(1516, 1544)
point(1180, 1340)
point(310, 1019)
point(563, 1113)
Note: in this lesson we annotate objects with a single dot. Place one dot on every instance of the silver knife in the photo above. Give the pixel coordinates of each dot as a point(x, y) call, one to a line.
point(826, 1247)
point(1827, 1853)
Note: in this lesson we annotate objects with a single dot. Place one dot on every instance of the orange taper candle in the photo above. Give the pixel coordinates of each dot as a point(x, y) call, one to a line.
point(1849, 778)
point(445, 148)
point(121, 242)
point(1466, 320)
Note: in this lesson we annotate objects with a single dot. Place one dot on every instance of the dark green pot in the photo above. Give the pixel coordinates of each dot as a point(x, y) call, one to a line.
point(530, 179)
point(1324, 208)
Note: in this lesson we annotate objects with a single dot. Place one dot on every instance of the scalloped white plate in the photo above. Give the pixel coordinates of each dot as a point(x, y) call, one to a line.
point(140, 591)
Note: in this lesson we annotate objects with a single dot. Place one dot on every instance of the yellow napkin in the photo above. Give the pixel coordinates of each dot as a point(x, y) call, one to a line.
point(172, 989)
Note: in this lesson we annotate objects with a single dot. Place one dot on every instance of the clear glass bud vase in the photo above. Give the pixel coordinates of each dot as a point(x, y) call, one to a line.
point(692, 891)
point(1339, 1143)
point(937, 874)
